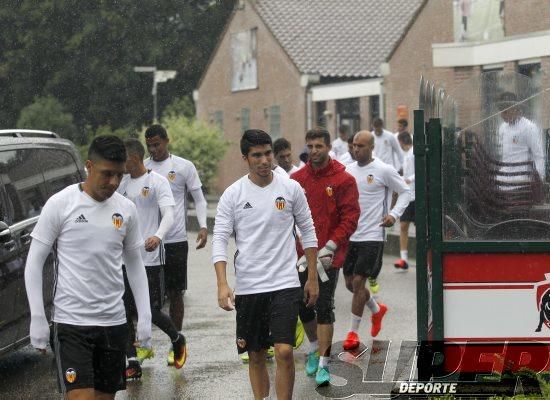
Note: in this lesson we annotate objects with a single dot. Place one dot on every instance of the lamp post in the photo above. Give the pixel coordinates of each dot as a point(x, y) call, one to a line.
point(159, 76)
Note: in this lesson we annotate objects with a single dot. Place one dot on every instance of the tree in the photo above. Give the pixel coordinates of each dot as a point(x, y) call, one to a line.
point(198, 142)
point(83, 54)
point(182, 106)
point(47, 113)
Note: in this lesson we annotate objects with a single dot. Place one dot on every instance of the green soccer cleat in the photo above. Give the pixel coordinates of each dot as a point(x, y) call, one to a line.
point(170, 358)
point(144, 353)
point(374, 287)
point(312, 363)
point(322, 377)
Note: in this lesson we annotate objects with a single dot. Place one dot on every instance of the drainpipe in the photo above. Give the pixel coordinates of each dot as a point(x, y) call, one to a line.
point(306, 81)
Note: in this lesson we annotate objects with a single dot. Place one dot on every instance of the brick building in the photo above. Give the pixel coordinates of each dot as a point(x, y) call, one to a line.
point(286, 65)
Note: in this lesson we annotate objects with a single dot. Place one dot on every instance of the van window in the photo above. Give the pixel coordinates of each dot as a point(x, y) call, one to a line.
point(59, 168)
point(23, 182)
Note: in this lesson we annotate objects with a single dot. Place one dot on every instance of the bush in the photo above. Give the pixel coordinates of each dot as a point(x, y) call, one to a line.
point(199, 143)
point(47, 113)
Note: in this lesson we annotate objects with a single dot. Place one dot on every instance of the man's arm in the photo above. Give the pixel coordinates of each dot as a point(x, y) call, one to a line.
point(40, 329)
point(137, 277)
point(311, 287)
point(167, 213)
point(223, 227)
point(396, 183)
point(537, 151)
point(200, 208)
point(396, 149)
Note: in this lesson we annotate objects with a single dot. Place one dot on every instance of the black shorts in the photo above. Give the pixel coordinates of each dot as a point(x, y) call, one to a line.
point(324, 307)
point(409, 213)
point(155, 278)
point(90, 357)
point(175, 265)
point(267, 318)
point(364, 258)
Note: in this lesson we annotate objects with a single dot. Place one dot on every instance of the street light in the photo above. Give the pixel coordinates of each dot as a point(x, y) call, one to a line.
point(159, 76)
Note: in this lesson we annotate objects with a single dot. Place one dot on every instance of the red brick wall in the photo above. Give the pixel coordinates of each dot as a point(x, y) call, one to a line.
point(278, 84)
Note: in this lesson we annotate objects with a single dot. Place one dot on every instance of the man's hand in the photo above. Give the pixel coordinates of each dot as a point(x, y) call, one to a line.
point(408, 181)
point(326, 254)
point(387, 221)
point(152, 243)
point(40, 333)
point(201, 238)
point(311, 292)
point(143, 333)
point(226, 300)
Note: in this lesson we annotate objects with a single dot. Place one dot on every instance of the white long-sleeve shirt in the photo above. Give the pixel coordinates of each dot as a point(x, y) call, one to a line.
point(263, 221)
point(521, 142)
point(374, 181)
point(387, 149)
point(339, 147)
point(408, 170)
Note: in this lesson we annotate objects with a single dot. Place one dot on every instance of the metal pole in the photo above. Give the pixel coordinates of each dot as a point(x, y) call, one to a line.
point(154, 99)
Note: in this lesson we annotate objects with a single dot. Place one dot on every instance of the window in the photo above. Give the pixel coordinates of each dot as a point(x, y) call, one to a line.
point(347, 113)
point(218, 119)
point(245, 119)
point(374, 104)
point(275, 122)
point(245, 66)
point(59, 169)
point(320, 108)
point(24, 184)
point(532, 108)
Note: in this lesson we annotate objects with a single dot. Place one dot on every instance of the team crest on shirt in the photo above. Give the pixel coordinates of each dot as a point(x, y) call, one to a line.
point(241, 343)
point(280, 203)
point(118, 220)
point(329, 191)
point(172, 176)
point(370, 179)
point(70, 375)
point(145, 191)
point(515, 139)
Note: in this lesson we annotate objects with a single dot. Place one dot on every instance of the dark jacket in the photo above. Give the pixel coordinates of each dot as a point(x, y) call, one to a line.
point(333, 198)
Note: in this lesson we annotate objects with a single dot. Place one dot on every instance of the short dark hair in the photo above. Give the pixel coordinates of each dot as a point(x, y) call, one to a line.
point(378, 122)
point(318, 133)
point(350, 139)
point(280, 145)
point(403, 122)
point(134, 146)
point(107, 147)
point(156, 130)
point(254, 137)
point(405, 138)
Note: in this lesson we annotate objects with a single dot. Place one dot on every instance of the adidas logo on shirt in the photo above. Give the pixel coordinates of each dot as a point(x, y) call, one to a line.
point(247, 205)
point(81, 218)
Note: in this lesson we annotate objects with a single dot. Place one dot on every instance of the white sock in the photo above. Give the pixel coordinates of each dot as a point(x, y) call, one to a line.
point(313, 346)
point(405, 255)
point(132, 359)
point(323, 361)
point(373, 305)
point(355, 322)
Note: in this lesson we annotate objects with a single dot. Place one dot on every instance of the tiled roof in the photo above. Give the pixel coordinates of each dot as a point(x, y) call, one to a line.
point(338, 38)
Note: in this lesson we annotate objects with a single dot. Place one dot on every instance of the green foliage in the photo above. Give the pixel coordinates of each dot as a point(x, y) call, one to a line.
point(198, 142)
point(83, 53)
point(47, 113)
point(182, 106)
point(122, 133)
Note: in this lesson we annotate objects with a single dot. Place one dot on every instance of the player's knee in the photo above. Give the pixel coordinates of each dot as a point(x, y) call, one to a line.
point(256, 358)
point(358, 283)
point(284, 352)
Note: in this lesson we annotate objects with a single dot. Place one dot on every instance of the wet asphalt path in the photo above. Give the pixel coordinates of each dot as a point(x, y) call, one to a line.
point(213, 369)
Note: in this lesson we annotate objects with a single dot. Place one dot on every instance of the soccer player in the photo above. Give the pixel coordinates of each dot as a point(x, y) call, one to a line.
point(364, 258)
point(184, 179)
point(283, 155)
point(333, 199)
point(91, 228)
point(261, 209)
point(152, 196)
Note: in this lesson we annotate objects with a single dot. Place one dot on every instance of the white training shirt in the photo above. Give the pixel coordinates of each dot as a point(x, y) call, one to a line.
point(346, 158)
point(263, 221)
point(90, 237)
point(408, 170)
point(387, 149)
point(148, 192)
point(374, 180)
point(339, 147)
point(183, 178)
point(521, 142)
